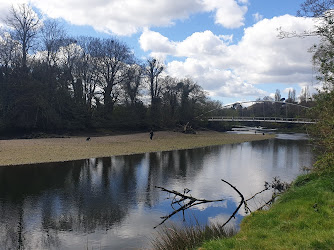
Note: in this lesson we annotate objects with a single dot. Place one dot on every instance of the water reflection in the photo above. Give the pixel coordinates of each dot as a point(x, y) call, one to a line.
point(111, 202)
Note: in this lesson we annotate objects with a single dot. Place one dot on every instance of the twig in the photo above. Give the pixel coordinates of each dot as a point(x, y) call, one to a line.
point(257, 194)
point(268, 202)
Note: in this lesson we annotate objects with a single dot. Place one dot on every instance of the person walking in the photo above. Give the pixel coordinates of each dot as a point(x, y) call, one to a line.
point(151, 134)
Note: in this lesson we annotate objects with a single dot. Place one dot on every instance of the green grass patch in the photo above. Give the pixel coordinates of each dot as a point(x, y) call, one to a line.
point(302, 218)
point(174, 237)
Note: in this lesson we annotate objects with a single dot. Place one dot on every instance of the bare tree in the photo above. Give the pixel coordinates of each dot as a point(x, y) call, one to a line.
point(132, 83)
point(114, 56)
point(25, 25)
point(153, 70)
point(10, 53)
point(315, 8)
point(87, 67)
point(53, 37)
point(69, 57)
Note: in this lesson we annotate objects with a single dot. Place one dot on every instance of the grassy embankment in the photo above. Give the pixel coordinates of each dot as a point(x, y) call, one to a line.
point(302, 218)
point(25, 151)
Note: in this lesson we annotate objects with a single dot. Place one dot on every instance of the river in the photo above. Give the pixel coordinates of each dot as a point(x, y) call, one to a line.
point(112, 203)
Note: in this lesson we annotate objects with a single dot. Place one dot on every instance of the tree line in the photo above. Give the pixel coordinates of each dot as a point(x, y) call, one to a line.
point(323, 59)
point(53, 82)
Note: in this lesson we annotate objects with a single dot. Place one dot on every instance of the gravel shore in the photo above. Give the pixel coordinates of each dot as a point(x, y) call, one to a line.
point(27, 151)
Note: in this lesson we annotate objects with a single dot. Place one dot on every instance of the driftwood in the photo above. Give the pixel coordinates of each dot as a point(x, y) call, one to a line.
point(186, 129)
point(185, 200)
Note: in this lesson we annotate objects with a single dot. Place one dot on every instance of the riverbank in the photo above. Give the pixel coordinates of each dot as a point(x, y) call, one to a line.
point(29, 151)
point(302, 218)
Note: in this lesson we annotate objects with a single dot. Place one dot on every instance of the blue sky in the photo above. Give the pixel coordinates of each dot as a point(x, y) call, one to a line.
point(229, 47)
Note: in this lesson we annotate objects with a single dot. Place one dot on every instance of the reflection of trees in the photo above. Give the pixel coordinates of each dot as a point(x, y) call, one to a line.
point(85, 196)
point(12, 231)
point(171, 165)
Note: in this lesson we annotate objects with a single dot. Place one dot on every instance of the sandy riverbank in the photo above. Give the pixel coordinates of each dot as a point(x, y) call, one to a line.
point(26, 151)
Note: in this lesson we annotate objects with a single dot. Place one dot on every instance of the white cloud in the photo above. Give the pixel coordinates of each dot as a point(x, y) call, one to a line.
point(287, 90)
point(257, 17)
point(227, 38)
point(201, 44)
point(127, 17)
point(154, 41)
point(198, 45)
point(229, 13)
point(120, 17)
point(225, 69)
point(263, 58)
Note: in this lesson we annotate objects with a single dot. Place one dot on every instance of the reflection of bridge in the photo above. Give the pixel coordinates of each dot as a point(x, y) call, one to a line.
point(261, 119)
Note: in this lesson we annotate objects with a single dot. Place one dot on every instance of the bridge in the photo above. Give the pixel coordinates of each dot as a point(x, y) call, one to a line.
point(241, 118)
point(262, 119)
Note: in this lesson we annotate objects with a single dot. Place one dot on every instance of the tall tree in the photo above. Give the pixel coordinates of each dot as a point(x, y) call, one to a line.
point(10, 53)
point(186, 87)
point(291, 96)
point(87, 68)
point(113, 58)
point(153, 70)
point(25, 25)
point(132, 83)
point(69, 58)
point(278, 95)
point(53, 37)
point(305, 95)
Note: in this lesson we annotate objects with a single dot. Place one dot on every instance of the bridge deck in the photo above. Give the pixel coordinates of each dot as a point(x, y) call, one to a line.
point(262, 119)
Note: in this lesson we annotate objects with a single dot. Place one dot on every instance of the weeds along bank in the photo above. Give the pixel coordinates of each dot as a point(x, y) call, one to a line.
point(302, 218)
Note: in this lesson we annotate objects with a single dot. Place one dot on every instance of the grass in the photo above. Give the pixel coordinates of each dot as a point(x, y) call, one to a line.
point(27, 151)
point(171, 238)
point(303, 218)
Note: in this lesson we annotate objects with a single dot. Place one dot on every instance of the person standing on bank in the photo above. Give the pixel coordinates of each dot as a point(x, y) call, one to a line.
point(151, 134)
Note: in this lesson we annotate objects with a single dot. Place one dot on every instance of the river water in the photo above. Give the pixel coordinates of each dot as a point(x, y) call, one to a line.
point(112, 203)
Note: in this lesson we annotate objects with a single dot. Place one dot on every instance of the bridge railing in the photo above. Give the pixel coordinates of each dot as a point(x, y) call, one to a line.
point(266, 119)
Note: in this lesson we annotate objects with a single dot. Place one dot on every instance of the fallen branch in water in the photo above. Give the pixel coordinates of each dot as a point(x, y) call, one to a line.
point(186, 201)
point(240, 204)
point(178, 198)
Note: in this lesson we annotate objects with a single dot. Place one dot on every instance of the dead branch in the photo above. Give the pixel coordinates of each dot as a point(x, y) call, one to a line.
point(240, 204)
point(267, 188)
point(294, 34)
point(186, 201)
point(271, 201)
point(178, 198)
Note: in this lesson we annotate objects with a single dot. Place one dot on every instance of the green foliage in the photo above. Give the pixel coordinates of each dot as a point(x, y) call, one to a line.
point(323, 131)
point(302, 218)
point(323, 58)
point(324, 52)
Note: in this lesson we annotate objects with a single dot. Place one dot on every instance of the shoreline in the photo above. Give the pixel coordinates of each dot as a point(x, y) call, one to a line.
point(44, 150)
